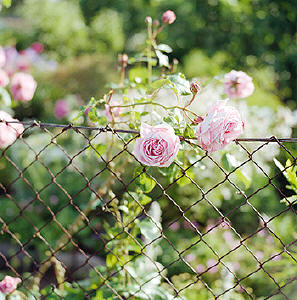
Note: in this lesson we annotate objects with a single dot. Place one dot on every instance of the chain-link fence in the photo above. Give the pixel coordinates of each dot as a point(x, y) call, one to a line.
point(81, 218)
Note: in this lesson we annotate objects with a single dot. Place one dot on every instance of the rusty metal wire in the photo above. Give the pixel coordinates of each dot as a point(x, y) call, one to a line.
point(28, 180)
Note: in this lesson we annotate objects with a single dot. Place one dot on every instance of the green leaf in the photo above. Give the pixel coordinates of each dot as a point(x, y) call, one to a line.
point(138, 73)
point(144, 199)
point(164, 48)
point(124, 208)
point(181, 84)
point(101, 149)
point(229, 162)
point(189, 132)
point(289, 200)
point(163, 59)
point(95, 201)
point(145, 183)
point(157, 85)
point(243, 177)
point(149, 229)
point(5, 96)
point(6, 3)
point(93, 115)
point(111, 260)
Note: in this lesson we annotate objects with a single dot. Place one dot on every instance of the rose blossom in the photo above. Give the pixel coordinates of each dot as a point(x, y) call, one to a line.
point(9, 284)
point(2, 57)
point(61, 109)
point(23, 86)
point(157, 145)
point(4, 80)
point(168, 17)
point(237, 84)
point(114, 112)
point(37, 47)
point(10, 131)
point(220, 127)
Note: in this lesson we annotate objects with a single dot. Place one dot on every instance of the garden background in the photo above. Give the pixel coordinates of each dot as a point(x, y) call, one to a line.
point(82, 40)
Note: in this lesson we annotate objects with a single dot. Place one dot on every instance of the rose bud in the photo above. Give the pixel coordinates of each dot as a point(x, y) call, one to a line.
point(168, 17)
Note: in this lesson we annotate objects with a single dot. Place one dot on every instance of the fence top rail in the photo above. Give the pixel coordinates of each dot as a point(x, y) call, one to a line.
point(109, 129)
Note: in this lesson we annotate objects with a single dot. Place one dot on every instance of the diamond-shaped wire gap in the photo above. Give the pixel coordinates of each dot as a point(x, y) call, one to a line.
point(24, 245)
point(8, 265)
point(165, 278)
point(22, 249)
point(124, 263)
point(280, 265)
point(278, 190)
point(231, 227)
point(269, 275)
point(172, 201)
point(285, 285)
point(200, 238)
point(53, 216)
point(124, 229)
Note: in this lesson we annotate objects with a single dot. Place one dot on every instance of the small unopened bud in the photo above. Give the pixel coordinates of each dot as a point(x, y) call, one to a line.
point(148, 20)
point(123, 60)
point(168, 17)
point(195, 87)
point(156, 23)
point(198, 120)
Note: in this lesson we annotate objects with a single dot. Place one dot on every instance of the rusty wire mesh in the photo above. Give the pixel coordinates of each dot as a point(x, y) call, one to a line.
point(65, 252)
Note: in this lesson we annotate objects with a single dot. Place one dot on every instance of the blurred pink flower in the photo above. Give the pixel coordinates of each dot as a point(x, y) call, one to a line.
point(211, 263)
point(277, 258)
point(37, 47)
point(157, 145)
point(174, 226)
point(220, 127)
point(200, 268)
point(9, 284)
point(114, 112)
point(2, 57)
point(238, 84)
point(228, 237)
point(190, 257)
point(9, 131)
point(23, 86)
point(61, 109)
point(168, 17)
point(23, 62)
point(4, 80)
point(236, 266)
point(11, 56)
point(260, 255)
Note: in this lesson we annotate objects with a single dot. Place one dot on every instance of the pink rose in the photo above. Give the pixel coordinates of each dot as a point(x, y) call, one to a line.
point(37, 47)
point(212, 265)
point(11, 57)
point(114, 112)
point(2, 57)
point(9, 132)
point(220, 127)
point(61, 109)
point(9, 284)
point(4, 80)
point(23, 86)
point(157, 145)
point(237, 84)
point(168, 17)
